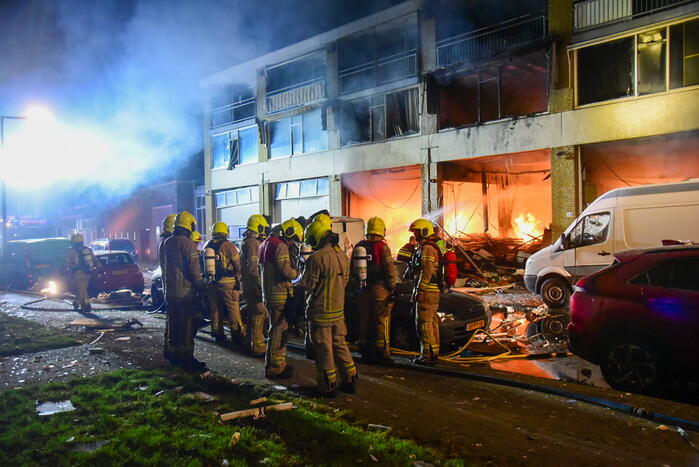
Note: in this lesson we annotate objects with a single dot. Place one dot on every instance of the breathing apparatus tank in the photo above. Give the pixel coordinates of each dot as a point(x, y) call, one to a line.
point(451, 270)
point(360, 258)
point(305, 251)
point(210, 258)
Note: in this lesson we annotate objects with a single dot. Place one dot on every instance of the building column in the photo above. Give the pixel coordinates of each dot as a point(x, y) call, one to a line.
point(565, 188)
point(335, 195)
point(432, 191)
point(266, 197)
point(428, 60)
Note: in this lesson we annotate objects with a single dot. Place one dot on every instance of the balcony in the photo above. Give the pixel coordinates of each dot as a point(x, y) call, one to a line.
point(233, 113)
point(590, 14)
point(382, 71)
point(487, 42)
point(296, 95)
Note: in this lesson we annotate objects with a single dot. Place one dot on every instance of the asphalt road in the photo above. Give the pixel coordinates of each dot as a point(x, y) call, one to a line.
point(486, 422)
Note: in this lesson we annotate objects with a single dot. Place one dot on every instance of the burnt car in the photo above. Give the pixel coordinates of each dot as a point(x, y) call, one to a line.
point(118, 272)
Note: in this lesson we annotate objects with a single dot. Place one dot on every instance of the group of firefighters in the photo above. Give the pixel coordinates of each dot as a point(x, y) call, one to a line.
point(277, 275)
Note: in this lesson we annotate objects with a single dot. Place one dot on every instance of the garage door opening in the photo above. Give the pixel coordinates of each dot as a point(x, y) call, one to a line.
point(506, 196)
point(394, 195)
point(618, 164)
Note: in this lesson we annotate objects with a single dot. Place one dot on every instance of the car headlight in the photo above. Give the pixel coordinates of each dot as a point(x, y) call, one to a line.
point(52, 289)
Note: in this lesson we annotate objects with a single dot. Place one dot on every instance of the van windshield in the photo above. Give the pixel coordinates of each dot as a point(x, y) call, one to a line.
point(590, 230)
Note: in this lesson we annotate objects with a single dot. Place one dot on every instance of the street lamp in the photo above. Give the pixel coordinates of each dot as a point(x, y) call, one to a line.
point(3, 189)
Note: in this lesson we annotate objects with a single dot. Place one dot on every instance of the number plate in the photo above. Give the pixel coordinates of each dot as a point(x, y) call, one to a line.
point(475, 325)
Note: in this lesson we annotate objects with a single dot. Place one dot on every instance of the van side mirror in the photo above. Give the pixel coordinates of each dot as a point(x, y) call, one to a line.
point(564, 242)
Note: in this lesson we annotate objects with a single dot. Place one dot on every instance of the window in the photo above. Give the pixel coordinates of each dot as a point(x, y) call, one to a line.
point(380, 117)
point(590, 230)
point(300, 198)
point(652, 47)
point(678, 274)
point(245, 195)
point(299, 134)
point(296, 73)
point(219, 150)
point(234, 148)
point(606, 71)
point(231, 103)
point(684, 50)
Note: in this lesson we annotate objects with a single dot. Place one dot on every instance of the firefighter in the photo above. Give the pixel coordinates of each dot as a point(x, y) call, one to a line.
point(324, 278)
point(168, 227)
point(79, 263)
point(179, 259)
point(257, 230)
point(406, 251)
point(375, 302)
point(279, 268)
point(426, 267)
point(223, 291)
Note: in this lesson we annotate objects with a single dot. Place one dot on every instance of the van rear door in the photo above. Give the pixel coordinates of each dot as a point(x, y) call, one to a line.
point(593, 240)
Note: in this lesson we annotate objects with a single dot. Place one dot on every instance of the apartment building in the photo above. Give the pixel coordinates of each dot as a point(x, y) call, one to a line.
point(489, 118)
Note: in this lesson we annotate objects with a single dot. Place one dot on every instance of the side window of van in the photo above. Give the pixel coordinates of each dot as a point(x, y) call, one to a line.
point(590, 230)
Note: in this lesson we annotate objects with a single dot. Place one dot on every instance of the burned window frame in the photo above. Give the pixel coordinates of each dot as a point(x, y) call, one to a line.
point(672, 62)
point(379, 103)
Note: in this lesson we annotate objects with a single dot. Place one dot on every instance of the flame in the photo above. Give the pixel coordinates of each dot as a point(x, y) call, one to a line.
point(527, 226)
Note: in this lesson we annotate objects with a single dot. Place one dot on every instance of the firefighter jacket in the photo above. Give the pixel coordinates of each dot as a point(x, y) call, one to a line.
point(325, 278)
point(179, 260)
point(80, 258)
point(227, 262)
point(405, 253)
point(249, 259)
point(277, 272)
point(381, 270)
point(427, 264)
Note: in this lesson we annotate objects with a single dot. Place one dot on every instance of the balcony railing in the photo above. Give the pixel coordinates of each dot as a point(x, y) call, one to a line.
point(487, 42)
point(233, 113)
point(296, 95)
point(593, 13)
point(382, 71)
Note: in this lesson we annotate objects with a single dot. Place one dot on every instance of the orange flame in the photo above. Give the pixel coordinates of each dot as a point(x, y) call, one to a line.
point(527, 226)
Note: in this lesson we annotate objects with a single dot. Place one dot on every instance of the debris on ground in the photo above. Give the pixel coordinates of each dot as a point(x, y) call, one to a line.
point(106, 325)
point(52, 407)
point(234, 439)
point(257, 412)
point(123, 339)
point(258, 401)
point(202, 396)
point(90, 447)
point(379, 428)
point(95, 350)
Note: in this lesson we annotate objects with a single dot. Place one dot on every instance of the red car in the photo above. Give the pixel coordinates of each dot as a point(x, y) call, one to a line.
point(639, 318)
point(119, 272)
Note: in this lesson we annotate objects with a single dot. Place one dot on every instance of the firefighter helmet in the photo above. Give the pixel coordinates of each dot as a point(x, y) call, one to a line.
point(258, 224)
point(376, 226)
point(196, 236)
point(169, 223)
point(186, 220)
point(315, 232)
point(292, 230)
point(324, 218)
point(220, 228)
point(77, 238)
point(422, 227)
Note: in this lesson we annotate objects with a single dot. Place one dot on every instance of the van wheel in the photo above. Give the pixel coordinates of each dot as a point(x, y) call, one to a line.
point(555, 292)
point(631, 366)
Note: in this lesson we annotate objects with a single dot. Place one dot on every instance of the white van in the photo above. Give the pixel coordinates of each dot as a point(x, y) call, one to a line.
point(633, 217)
point(350, 230)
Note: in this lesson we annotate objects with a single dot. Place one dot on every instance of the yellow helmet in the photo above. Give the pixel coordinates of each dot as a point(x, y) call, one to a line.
point(77, 238)
point(196, 236)
point(376, 226)
point(219, 228)
point(315, 232)
point(423, 227)
point(169, 223)
point(324, 218)
point(292, 230)
point(258, 224)
point(186, 220)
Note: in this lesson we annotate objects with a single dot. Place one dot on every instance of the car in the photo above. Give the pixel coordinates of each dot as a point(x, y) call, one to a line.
point(115, 244)
point(157, 292)
point(639, 318)
point(118, 272)
point(28, 261)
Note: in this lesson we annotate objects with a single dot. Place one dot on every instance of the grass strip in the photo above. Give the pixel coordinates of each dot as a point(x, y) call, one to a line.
point(18, 336)
point(146, 426)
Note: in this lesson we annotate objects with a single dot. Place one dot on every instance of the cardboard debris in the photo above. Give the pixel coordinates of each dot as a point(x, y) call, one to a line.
point(53, 407)
point(257, 412)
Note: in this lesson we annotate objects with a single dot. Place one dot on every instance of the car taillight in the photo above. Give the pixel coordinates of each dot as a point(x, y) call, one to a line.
point(586, 284)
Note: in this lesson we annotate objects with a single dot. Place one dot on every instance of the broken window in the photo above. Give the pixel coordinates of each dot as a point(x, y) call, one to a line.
point(298, 134)
point(235, 147)
point(652, 47)
point(524, 86)
point(231, 103)
point(355, 123)
point(402, 113)
point(684, 54)
point(605, 71)
point(590, 230)
point(458, 102)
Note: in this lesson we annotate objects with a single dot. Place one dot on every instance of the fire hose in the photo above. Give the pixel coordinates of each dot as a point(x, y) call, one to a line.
point(29, 305)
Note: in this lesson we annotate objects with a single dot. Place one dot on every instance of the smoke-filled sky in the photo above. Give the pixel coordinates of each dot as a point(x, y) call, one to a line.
point(121, 79)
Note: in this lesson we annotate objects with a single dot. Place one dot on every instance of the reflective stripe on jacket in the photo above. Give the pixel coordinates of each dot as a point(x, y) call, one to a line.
point(325, 278)
point(277, 272)
point(179, 260)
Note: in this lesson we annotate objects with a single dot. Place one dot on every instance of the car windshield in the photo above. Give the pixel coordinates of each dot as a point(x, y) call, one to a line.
point(120, 258)
point(121, 244)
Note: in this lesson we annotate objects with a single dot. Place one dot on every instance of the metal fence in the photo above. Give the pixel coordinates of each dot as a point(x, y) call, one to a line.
point(490, 41)
point(589, 14)
point(295, 95)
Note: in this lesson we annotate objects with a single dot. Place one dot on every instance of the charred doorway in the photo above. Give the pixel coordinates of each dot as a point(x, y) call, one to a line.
point(393, 194)
point(504, 196)
point(642, 161)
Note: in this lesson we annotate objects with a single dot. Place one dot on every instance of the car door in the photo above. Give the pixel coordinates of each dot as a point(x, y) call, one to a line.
point(592, 238)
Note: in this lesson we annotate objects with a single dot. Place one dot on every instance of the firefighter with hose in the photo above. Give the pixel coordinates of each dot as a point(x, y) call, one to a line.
point(79, 262)
point(374, 269)
point(257, 231)
point(222, 273)
point(324, 278)
point(279, 267)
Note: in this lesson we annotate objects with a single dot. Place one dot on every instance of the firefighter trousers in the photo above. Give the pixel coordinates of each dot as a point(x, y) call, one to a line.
point(256, 321)
point(332, 355)
point(375, 308)
point(275, 357)
point(428, 324)
point(80, 281)
point(224, 301)
point(180, 321)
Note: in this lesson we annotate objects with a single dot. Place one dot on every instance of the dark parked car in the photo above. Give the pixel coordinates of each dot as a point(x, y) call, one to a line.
point(119, 272)
point(639, 318)
point(29, 261)
point(114, 244)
